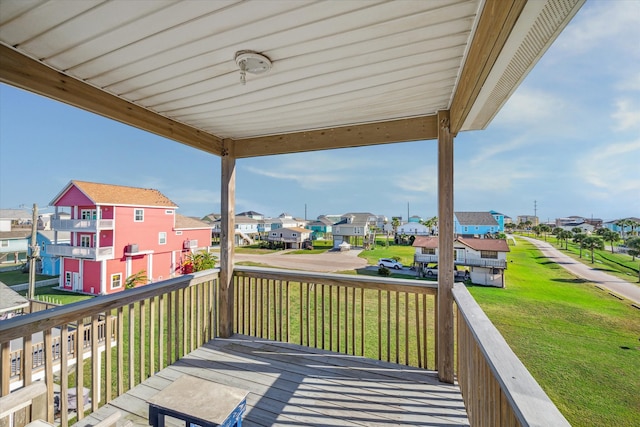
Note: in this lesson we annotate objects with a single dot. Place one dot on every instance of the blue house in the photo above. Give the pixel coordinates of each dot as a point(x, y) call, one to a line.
point(499, 219)
point(474, 223)
point(50, 264)
point(321, 227)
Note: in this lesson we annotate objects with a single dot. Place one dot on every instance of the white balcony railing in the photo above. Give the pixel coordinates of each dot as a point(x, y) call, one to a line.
point(468, 261)
point(80, 252)
point(82, 224)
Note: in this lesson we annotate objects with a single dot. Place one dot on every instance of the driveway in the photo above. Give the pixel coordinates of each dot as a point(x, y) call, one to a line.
point(328, 262)
point(612, 283)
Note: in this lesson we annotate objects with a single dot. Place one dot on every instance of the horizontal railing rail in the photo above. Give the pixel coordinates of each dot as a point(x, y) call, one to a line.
point(149, 327)
point(81, 224)
point(497, 388)
point(379, 318)
point(79, 251)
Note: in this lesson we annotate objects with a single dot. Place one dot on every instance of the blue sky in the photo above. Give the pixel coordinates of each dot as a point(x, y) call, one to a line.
point(569, 138)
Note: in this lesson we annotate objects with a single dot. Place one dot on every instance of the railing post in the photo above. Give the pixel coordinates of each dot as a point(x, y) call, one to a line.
point(227, 230)
point(445, 249)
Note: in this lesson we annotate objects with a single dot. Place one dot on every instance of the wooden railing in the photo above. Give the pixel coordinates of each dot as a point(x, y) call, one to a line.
point(379, 318)
point(154, 326)
point(497, 388)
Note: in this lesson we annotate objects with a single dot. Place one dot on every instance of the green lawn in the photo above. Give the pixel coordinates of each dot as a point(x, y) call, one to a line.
point(381, 251)
point(57, 296)
point(579, 343)
point(17, 277)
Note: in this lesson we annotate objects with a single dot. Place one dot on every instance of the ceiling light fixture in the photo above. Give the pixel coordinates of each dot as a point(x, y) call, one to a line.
point(251, 62)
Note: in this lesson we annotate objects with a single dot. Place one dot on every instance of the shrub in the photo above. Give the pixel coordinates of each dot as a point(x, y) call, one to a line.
point(384, 271)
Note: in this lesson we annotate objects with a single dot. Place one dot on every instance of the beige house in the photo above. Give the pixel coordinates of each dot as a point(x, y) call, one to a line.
point(293, 238)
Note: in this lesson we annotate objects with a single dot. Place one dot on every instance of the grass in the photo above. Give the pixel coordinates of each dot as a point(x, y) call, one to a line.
point(381, 251)
point(619, 265)
point(579, 343)
point(52, 293)
point(17, 277)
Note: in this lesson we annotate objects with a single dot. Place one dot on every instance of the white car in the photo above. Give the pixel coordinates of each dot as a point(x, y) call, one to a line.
point(389, 263)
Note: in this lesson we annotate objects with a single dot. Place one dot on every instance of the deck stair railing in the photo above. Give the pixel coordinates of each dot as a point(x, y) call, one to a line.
point(152, 326)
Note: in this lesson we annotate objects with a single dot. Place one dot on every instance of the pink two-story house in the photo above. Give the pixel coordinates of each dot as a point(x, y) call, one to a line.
point(118, 231)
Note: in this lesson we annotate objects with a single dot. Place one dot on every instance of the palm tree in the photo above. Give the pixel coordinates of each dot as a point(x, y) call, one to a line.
point(634, 247)
point(623, 224)
point(633, 224)
point(536, 230)
point(579, 238)
point(564, 235)
point(510, 227)
point(430, 223)
point(545, 229)
point(592, 243)
point(610, 236)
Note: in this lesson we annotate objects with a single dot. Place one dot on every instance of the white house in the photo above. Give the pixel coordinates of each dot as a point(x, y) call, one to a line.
point(414, 229)
point(486, 258)
point(353, 228)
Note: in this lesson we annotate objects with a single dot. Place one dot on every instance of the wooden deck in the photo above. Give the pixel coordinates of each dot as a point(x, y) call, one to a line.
point(294, 385)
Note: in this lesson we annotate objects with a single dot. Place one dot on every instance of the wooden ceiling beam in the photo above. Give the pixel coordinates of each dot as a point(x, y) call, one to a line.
point(21, 71)
point(498, 17)
point(402, 130)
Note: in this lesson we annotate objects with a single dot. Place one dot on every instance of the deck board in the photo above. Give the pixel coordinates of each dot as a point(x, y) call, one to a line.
point(291, 385)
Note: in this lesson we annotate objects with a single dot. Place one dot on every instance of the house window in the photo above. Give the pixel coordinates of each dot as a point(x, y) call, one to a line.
point(85, 241)
point(138, 215)
point(466, 229)
point(67, 278)
point(428, 251)
point(116, 281)
point(88, 214)
point(4, 243)
point(489, 254)
point(162, 238)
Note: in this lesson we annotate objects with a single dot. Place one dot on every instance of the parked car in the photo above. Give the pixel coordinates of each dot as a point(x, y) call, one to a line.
point(431, 270)
point(389, 263)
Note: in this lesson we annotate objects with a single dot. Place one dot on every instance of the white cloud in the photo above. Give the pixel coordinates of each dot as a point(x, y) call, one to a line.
point(626, 115)
point(489, 152)
point(530, 107)
point(615, 24)
point(612, 173)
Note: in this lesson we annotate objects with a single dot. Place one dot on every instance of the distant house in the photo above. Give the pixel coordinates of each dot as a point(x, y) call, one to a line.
point(486, 258)
point(531, 218)
point(626, 230)
point(14, 245)
point(285, 220)
point(117, 231)
point(49, 264)
point(246, 230)
point(474, 224)
point(500, 219)
point(353, 228)
point(293, 238)
point(321, 228)
point(413, 229)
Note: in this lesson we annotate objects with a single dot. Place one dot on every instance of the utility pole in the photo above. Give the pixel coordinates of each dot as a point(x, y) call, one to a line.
point(35, 253)
point(535, 208)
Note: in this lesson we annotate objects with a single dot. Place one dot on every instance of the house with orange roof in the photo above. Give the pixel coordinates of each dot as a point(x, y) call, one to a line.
point(118, 231)
point(486, 259)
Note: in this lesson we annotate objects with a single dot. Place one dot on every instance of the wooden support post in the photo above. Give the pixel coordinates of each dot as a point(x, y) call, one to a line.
point(227, 230)
point(445, 249)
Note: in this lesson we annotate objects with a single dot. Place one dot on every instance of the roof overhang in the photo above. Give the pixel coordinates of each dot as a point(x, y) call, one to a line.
point(345, 74)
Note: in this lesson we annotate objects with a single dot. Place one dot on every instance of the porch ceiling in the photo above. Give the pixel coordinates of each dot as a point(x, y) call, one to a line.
point(345, 73)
